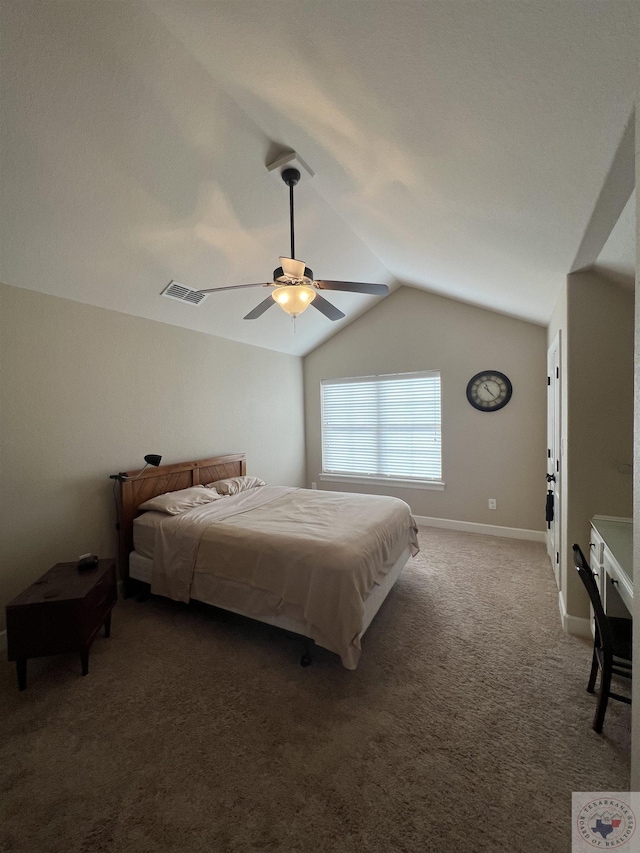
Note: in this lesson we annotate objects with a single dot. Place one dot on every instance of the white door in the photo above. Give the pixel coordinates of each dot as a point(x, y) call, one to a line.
point(553, 454)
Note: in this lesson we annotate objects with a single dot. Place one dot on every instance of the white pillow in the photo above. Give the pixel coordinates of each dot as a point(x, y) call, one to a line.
point(234, 485)
point(174, 503)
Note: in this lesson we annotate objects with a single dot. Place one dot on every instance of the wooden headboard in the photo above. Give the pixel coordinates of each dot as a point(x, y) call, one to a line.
point(167, 478)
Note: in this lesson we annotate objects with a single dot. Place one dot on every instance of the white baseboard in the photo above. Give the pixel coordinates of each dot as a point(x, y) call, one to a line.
point(486, 529)
point(579, 626)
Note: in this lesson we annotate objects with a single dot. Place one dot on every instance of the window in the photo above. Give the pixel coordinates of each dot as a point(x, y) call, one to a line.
point(382, 427)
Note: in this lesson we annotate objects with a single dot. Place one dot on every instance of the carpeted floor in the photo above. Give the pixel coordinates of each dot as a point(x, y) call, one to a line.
point(465, 728)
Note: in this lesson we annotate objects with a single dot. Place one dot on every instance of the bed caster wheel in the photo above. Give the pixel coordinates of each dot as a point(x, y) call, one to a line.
point(305, 660)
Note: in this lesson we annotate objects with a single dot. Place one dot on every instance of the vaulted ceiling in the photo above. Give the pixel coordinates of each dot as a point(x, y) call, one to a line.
point(458, 147)
point(617, 259)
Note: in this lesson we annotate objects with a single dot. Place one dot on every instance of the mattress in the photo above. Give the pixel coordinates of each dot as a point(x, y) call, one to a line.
point(141, 568)
point(144, 533)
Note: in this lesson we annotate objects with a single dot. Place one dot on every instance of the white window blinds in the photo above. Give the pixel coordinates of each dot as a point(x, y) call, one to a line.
point(383, 426)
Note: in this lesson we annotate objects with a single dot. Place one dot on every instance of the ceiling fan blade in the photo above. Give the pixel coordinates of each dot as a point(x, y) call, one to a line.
point(235, 287)
point(259, 310)
point(354, 287)
point(327, 308)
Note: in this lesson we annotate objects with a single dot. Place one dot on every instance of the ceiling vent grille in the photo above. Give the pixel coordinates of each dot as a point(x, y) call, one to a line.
point(174, 290)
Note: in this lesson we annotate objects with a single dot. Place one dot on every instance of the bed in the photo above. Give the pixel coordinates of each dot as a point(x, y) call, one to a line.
point(318, 564)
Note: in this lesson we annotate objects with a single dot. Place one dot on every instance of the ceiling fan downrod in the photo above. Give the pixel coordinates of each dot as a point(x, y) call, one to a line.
point(291, 178)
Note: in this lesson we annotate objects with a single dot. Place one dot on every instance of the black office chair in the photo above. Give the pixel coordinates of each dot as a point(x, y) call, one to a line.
point(612, 643)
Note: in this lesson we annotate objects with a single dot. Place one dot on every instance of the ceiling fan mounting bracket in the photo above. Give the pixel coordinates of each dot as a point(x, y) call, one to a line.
point(291, 176)
point(288, 159)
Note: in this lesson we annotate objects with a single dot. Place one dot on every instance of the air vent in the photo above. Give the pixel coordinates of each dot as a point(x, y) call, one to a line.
point(175, 290)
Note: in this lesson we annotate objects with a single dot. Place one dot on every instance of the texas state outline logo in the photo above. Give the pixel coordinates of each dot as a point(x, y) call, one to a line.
point(604, 821)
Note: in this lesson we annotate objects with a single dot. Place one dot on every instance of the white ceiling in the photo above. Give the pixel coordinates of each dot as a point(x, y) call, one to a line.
point(459, 147)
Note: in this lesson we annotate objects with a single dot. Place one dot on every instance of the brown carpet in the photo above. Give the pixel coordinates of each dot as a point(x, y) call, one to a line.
point(465, 728)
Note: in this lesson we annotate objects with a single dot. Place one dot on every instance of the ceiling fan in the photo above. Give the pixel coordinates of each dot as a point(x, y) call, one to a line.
point(295, 287)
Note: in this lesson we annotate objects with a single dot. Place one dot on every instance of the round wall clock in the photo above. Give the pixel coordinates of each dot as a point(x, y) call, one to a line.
point(489, 391)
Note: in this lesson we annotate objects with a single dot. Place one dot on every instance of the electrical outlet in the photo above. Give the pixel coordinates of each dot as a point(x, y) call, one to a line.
point(493, 503)
point(314, 486)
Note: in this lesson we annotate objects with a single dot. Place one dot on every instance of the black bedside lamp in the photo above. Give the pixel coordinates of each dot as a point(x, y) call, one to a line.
point(149, 459)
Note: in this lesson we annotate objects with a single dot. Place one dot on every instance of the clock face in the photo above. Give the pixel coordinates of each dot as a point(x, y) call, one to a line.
point(489, 391)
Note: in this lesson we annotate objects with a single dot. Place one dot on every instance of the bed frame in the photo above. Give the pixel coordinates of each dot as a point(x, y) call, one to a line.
point(150, 482)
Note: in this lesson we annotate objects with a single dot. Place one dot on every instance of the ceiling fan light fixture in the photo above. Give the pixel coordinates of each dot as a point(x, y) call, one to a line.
point(294, 299)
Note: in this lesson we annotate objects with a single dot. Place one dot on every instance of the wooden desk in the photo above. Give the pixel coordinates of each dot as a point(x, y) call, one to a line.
point(611, 548)
point(61, 612)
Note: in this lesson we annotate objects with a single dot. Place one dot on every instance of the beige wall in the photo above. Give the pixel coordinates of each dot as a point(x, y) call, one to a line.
point(485, 455)
point(600, 411)
point(86, 392)
point(596, 320)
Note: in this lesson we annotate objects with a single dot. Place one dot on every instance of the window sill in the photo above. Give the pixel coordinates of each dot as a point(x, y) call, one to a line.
point(436, 485)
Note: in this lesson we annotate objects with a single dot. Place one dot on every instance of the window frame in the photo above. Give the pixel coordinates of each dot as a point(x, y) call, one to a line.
point(436, 483)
